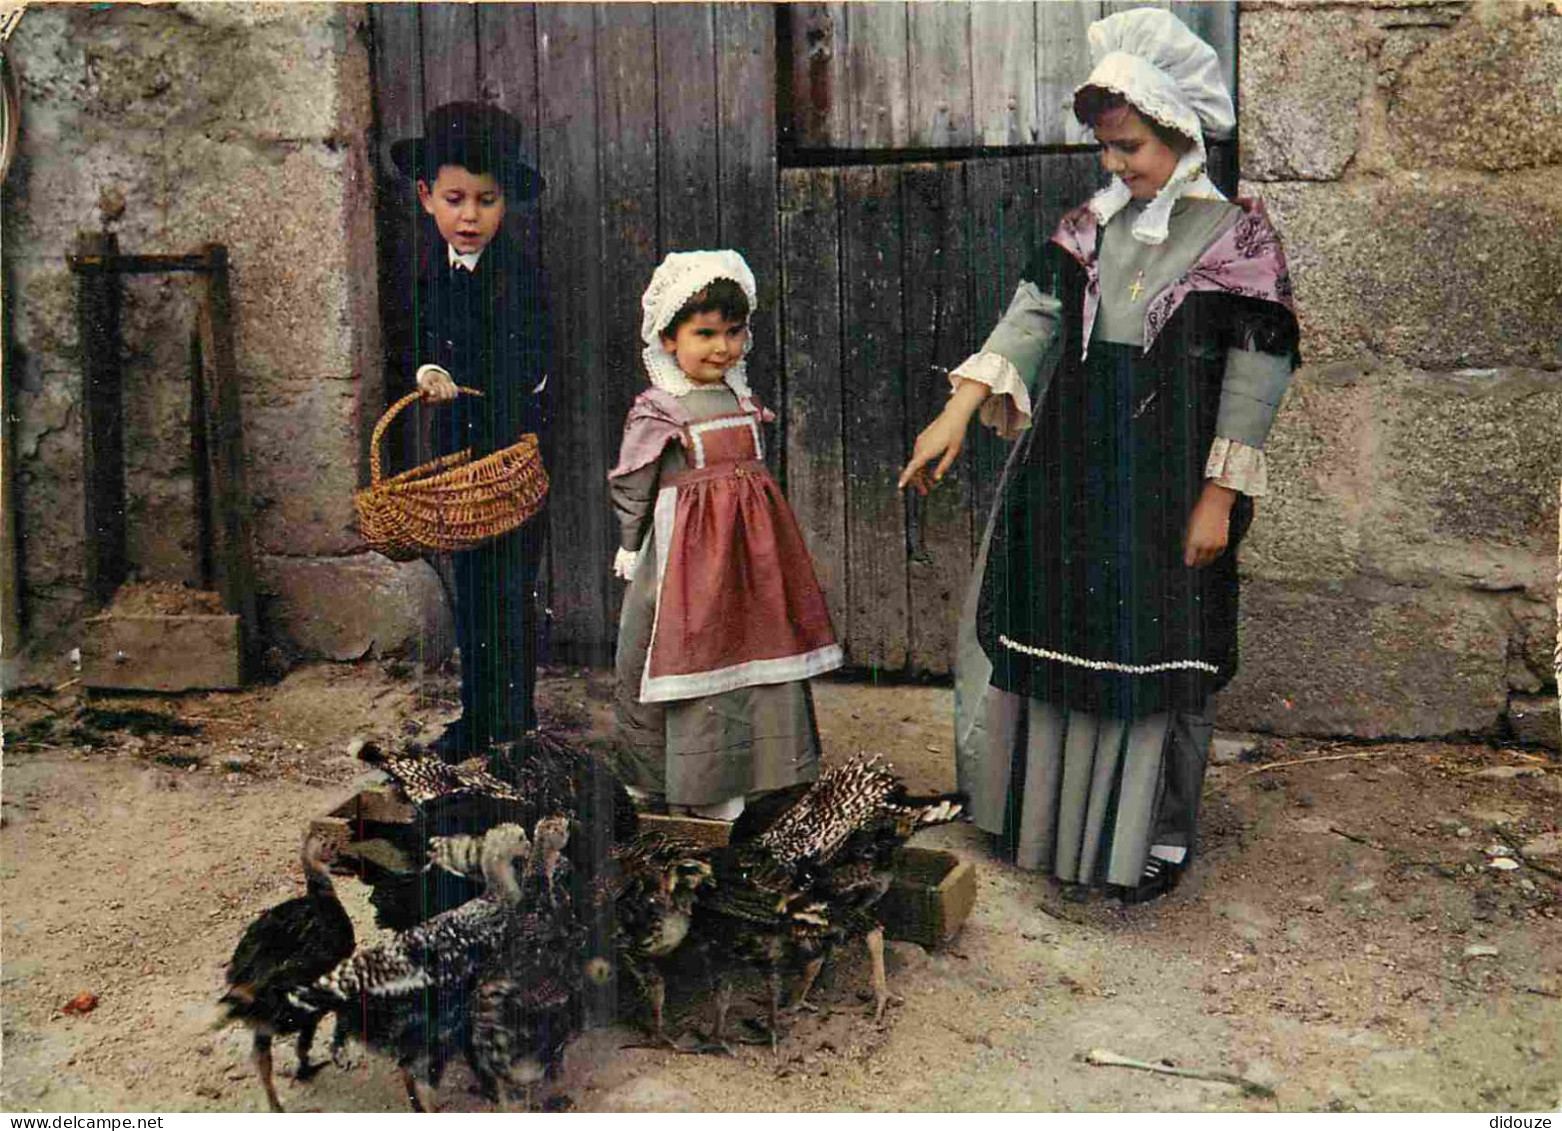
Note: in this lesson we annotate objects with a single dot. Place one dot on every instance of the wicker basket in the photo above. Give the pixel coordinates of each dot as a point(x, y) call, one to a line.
point(451, 503)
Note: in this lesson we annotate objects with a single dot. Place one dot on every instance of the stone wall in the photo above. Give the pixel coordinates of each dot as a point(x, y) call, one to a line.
point(1400, 579)
point(172, 126)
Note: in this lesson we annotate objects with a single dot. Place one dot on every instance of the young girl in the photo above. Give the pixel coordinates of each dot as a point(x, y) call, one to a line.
point(1140, 362)
point(723, 622)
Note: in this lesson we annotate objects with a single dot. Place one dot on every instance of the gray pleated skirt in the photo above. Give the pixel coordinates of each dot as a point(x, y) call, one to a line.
point(1079, 795)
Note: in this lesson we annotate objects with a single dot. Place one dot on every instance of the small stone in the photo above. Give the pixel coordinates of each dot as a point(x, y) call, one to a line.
point(208, 1091)
point(1527, 885)
point(1464, 830)
point(1498, 850)
point(83, 1003)
point(1229, 750)
point(1504, 773)
point(1477, 950)
point(1504, 864)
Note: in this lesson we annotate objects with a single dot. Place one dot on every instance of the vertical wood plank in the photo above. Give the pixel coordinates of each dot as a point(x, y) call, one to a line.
point(507, 38)
point(815, 445)
point(398, 78)
point(98, 308)
point(1001, 207)
point(1003, 72)
point(1062, 63)
point(939, 52)
point(686, 132)
point(450, 68)
point(581, 550)
point(626, 125)
point(878, 81)
point(816, 104)
point(939, 330)
point(746, 131)
point(875, 423)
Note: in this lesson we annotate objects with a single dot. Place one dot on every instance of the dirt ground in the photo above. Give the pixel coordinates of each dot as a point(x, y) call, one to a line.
point(1345, 940)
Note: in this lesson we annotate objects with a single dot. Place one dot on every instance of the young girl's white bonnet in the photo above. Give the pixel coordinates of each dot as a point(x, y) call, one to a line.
point(1167, 73)
point(681, 276)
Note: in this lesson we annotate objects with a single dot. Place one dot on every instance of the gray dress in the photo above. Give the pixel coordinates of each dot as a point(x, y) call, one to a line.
point(1096, 794)
point(716, 747)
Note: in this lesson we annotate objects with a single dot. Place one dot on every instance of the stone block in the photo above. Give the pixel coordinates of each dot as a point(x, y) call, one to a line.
point(280, 210)
point(1534, 720)
point(1475, 96)
point(301, 452)
point(1437, 271)
point(1301, 82)
point(221, 70)
point(1369, 659)
point(346, 608)
point(1470, 456)
point(1532, 646)
point(1321, 475)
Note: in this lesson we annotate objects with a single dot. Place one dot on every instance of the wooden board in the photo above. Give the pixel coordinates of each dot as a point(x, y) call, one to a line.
point(1062, 63)
point(450, 66)
point(507, 38)
point(941, 75)
point(815, 111)
point(162, 653)
point(875, 416)
point(1003, 74)
point(938, 335)
point(627, 127)
point(687, 139)
point(815, 453)
point(707, 833)
point(580, 543)
point(878, 102)
point(98, 306)
point(746, 155)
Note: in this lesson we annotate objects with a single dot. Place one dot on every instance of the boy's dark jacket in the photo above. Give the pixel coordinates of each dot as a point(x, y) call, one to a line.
point(488, 329)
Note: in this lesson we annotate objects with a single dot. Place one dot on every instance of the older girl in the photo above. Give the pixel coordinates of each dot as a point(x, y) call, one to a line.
point(1140, 364)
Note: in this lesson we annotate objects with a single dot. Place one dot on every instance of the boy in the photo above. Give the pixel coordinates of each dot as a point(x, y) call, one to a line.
point(479, 303)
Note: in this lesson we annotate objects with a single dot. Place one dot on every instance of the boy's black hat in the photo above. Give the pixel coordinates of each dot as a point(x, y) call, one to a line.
point(476, 136)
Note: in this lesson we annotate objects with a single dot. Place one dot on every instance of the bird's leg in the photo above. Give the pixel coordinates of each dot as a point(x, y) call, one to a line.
point(717, 1042)
point(339, 1042)
point(262, 1058)
point(881, 995)
point(810, 975)
point(654, 986)
point(774, 979)
point(306, 1040)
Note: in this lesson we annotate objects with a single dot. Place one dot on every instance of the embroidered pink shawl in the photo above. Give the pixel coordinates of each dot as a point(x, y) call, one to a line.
point(1246, 260)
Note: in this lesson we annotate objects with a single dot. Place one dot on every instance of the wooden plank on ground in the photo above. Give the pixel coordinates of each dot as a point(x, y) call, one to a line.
point(878, 95)
point(746, 115)
point(939, 50)
point(450, 67)
point(875, 415)
point(626, 125)
point(1062, 63)
point(1003, 74)
point(507, 40)
point(162, 653)
point(581, 548)
point(811, 298)
point(686, 131)
point(816, 103)
point(939, 331)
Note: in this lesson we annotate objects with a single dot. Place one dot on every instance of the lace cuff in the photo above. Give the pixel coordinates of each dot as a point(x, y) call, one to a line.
point(1007, 411)
point(1234, 464)
point(624, 563)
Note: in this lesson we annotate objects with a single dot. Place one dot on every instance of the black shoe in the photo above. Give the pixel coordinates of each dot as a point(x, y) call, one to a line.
point(1159, 877)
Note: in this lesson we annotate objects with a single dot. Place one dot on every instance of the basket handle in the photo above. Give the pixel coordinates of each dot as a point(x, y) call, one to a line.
point(390, 414)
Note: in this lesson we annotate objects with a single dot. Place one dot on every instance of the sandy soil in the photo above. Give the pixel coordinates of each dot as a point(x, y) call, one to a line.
point(1344, 942)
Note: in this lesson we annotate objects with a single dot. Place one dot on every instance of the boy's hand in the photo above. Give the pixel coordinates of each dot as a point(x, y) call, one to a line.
point(436, 385)
point(1209, 526)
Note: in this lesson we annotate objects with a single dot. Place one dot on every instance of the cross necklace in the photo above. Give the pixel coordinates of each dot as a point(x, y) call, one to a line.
point(1136, 288)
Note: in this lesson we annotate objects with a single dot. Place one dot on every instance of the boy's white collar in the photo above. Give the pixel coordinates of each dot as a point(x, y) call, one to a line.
point(467, 261)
